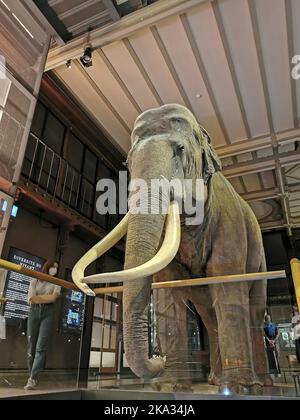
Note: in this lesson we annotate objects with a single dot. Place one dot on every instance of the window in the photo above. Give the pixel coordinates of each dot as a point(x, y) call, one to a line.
point(39, 120)
point(90, 166)
point(54, 133)
point(103, 172)
point(87, 196)
point(75, 151)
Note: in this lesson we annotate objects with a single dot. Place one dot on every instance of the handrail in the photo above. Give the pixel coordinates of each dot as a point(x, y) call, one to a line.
point(235, 278)
point(269, 275)
point(36, 274)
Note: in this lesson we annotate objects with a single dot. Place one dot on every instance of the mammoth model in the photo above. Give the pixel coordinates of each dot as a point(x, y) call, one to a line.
point(168, 143)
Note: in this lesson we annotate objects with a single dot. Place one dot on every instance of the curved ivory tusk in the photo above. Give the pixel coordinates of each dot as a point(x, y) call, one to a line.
point(94, 253)
point(164, 256)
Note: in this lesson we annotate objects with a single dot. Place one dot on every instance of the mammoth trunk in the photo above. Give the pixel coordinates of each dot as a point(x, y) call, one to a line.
point(144, 236)
point(143, 240)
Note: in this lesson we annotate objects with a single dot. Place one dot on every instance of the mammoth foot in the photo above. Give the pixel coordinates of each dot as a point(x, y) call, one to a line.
point(178, 386)
point(241, 389)
point(213, 379)
point(241, 383)
point(267, 381)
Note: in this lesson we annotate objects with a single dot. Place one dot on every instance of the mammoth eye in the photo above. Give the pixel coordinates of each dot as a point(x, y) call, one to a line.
point(177, 120)
point(180, 148)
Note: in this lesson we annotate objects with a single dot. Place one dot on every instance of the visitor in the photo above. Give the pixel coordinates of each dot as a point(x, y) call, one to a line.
point(296, 326)
point(41, 298)
point(271, 337)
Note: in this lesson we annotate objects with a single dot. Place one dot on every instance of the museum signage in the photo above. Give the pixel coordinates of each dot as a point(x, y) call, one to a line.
point(17, 285)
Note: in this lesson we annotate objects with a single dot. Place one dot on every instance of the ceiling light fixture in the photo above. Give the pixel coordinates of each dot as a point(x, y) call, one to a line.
point(86, 59)
point(69, 64)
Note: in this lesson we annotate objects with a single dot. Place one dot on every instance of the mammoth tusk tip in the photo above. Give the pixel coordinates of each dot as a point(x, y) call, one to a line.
point(85, 289)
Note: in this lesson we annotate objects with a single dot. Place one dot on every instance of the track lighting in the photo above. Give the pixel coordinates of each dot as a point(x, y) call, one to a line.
point(69, 64)
point(86, 59)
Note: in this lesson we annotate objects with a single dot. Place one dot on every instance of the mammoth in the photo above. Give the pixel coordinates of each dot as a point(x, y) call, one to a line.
point(168, 143)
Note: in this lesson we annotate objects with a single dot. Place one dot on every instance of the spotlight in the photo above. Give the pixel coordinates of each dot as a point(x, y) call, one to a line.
point(69, 64)
point(86, 59)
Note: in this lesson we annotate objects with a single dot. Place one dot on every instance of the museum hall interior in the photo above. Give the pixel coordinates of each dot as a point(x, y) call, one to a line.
point(150, 202)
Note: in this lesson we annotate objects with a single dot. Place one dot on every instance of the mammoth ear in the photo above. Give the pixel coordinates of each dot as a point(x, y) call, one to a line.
point(211, 162)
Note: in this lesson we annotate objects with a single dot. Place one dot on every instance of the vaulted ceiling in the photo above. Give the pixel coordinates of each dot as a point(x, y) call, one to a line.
point(229, 61)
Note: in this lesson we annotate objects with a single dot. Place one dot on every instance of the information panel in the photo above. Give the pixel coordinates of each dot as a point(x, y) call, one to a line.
point(73, 305)
point(17, 285)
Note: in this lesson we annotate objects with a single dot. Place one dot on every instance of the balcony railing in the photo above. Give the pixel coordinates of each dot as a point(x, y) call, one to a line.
point(52, 174)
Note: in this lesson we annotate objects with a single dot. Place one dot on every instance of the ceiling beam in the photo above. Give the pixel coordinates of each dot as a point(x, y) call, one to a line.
point(202, 69)
point(103, 16)
point(53, 20)
point(99, 92)
point(254, 144)
point(145, 17)
point(164, 52)
point(261, 165)
point(112, 10)
point(261, 195)
point(77, 9)
point(142, 70)
point(230, 62)
point(278, 169)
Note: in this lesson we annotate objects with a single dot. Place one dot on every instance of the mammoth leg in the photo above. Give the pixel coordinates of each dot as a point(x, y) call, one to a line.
point(172, 331)
point(231, 302)
point(203, 305)
point(258, 295)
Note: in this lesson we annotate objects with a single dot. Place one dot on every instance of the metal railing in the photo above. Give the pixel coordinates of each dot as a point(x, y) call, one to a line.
point(53, 175)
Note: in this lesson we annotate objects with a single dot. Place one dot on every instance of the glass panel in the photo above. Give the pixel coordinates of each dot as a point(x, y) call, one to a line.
point(38, 120)
point(75, 151)
point(98, 307)
point(59, 372)
point(184, 331)
point(86, 200)
point(113, 338)
point(90, 166)
point(108, 360)
point(106, 336)
point(107, 309)
point(54, 133)
point(97, 335)
point(114, 311)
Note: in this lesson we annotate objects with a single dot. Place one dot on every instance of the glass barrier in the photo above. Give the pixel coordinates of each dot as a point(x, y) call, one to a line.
point(182, 330)
point(38, 341)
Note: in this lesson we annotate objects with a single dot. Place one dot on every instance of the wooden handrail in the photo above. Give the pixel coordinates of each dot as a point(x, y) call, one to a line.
point(236, 278)
point(160, 285)
point(37, 275)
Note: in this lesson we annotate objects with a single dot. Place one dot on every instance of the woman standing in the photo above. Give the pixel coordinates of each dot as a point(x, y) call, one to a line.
point(41, 297)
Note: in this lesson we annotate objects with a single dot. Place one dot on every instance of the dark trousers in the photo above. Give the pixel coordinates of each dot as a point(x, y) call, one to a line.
point(40, 321)
point(297, 342)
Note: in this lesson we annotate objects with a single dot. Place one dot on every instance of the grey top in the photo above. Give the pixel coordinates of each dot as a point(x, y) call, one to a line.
point(41, 288)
